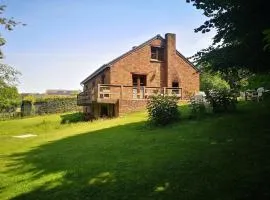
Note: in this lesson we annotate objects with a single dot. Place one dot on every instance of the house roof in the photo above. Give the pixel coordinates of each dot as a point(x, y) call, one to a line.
point(108, 65)
point(185, 59)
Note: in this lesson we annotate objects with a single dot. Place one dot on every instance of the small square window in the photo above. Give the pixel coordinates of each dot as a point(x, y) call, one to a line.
point(157, 53)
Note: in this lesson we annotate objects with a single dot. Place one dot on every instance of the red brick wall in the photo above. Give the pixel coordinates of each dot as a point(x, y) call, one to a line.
point(126, 106)
point(179, 70)
point(139, 62)
point(189, 78)
point(159, 74)
point(96, 80)
point(170, 59)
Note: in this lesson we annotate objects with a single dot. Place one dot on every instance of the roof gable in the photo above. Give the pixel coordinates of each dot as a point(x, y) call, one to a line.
point(108, 65)
point(186, 60)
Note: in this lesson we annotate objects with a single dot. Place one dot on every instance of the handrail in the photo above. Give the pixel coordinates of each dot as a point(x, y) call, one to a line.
point(118, 91)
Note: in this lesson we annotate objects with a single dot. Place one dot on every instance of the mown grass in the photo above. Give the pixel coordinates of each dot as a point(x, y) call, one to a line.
point(219, 157)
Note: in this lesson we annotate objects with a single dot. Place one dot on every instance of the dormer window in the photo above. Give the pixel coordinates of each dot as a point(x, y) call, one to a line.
point(157, 53)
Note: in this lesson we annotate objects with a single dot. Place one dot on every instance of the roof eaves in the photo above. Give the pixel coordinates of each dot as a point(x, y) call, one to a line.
point(103, 67)
point(185, 59)
point(136, 48)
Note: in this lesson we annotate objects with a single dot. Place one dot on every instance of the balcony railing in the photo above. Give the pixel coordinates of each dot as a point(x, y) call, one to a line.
point(112, 92)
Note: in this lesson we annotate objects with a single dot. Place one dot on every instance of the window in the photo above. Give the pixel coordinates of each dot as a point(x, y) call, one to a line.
point(157, 53)
point(175, 84)
point(138, 79)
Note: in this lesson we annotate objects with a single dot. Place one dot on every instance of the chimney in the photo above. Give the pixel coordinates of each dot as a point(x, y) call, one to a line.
point(170, 54)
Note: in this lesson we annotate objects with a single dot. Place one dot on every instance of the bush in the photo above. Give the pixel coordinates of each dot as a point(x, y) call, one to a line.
point(49, 105)
point(197, 107)
point(72, 118)
point(212, 81)
point(221, 100)
point(162, 110)
point(258, 80)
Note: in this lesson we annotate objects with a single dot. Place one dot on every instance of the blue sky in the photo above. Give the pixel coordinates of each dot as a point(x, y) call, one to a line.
point(66, 40)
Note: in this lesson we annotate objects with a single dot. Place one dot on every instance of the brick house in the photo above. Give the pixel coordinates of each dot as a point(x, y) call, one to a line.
point(125, 83)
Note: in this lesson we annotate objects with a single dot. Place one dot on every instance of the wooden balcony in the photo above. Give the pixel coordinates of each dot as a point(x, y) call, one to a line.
point(110, 93)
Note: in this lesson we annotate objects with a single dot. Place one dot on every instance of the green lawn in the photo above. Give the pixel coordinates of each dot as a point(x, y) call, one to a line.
point(220, 157)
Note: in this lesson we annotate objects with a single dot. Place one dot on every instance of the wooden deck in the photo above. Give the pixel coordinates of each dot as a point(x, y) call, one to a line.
point(111, 93)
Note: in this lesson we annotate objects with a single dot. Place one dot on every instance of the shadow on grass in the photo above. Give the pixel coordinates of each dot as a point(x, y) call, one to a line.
point(223, 158)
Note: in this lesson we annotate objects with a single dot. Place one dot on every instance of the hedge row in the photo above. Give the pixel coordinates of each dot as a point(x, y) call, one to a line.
point(50, 106)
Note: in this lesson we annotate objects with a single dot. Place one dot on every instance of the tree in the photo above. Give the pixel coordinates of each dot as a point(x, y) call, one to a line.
point(8, 24)
point(211, 81)
point(9, 96)
point(267, 39)
point(239, 41)
point(8, 75)
point(9, 99)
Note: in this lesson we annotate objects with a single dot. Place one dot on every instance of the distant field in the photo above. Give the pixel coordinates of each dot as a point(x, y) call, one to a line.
point(219, 157)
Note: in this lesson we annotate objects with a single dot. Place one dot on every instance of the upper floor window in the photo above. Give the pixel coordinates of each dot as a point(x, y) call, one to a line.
point(157, 53)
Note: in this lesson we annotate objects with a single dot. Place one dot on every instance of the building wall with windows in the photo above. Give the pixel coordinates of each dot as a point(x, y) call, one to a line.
point(155, 63)
point(161, 64)
point(138, 63)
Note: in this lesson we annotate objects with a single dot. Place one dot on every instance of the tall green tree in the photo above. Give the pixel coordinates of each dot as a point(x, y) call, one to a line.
point(211, 81)
point(239, 41)
point(267, 39)
point(9, 99)
point(9, 96)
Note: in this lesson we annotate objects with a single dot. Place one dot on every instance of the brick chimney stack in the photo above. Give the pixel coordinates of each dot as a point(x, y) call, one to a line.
point(170, 54)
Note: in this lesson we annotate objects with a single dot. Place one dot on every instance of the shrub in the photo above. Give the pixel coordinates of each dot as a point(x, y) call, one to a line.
point(49, 105)
point(212, 81)
point(72, 118)
point(56, 105)
point(197, 107)
point(258, 80)
point(162, 110)
point(221, 100)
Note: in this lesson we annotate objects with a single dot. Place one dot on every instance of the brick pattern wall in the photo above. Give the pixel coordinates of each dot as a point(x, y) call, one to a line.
point(170, 58)
point(139, 62)
point(179, 70)
point(126, 106)
point(189, 78)
point(95, 81)
point(159, 74)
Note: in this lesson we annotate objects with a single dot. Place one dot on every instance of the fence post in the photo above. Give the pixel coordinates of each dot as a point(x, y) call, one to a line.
point(98, 91)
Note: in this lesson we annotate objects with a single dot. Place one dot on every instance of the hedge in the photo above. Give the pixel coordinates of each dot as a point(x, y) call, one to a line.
point(50, 106)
